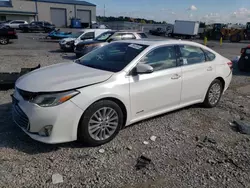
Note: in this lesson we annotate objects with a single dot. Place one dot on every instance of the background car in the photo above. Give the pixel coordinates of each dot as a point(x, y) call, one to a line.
point(7, 33)
point(15, 23)
point(68, 44)
point(37, 26)
point(115, 86)
point(85, 47)
point(244, 61)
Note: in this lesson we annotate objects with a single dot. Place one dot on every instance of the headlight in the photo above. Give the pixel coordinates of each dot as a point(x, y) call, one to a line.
point(54, 99)
point(70, 42)
point(63, 42)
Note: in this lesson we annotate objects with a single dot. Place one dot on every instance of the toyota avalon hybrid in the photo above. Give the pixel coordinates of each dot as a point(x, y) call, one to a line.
point(114, 86)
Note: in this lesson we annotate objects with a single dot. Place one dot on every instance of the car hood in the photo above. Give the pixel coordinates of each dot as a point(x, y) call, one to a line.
point(61, 77)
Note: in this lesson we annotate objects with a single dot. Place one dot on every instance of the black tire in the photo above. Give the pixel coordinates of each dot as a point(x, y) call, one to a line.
point(207, 103)
point(83, 129)
point(4, 40)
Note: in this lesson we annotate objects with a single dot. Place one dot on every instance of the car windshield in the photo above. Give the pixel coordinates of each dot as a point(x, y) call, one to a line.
point(104, 36)
point(76, 35)
point(113, 57)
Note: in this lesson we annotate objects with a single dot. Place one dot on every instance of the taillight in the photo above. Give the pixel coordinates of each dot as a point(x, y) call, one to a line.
point(230, 64)
point(242, 50)
point(11, 32)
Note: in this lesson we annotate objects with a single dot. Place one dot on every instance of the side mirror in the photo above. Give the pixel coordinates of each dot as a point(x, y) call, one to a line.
point(143, 69)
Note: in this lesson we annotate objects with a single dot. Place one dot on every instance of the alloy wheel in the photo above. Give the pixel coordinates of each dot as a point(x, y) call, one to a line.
point(103, 123)
point(3, 41)
point(214, 93)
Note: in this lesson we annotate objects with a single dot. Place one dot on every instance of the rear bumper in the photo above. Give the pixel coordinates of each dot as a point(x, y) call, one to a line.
point(228, 80)
point(13, 37)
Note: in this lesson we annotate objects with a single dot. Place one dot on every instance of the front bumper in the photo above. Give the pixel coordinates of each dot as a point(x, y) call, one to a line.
point(32, 118)
point(66, 47)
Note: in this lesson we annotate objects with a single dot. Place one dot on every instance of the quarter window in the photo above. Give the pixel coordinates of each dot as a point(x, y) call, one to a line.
point(210, 55)
point(192, 55)
point(161, 58)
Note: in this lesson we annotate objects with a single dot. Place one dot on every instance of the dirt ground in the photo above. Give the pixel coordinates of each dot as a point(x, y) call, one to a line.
point(195, 147)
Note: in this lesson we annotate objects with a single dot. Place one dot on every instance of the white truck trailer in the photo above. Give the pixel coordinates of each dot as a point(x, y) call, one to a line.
point(186, 29)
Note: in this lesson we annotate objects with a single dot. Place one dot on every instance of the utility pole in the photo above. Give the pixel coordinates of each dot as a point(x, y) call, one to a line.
point(104, 10)
point(37, 17)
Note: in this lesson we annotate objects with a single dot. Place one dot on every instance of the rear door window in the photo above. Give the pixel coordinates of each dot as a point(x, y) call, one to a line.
point(191, 55)
point(247, 51)
point(209, 55)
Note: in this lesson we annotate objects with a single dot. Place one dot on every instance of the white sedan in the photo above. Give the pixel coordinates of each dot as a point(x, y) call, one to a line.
point(119, 84)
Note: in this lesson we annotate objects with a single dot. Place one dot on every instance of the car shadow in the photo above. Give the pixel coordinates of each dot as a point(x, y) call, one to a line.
point(69, 57)
point(11, 136)
point(49, 41)
point(56, 51)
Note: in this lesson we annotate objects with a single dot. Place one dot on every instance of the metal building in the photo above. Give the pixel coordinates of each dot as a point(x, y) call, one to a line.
point(58, 12)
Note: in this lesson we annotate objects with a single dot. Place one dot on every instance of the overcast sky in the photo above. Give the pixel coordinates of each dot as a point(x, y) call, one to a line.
point(232, 11)
point(170, 10)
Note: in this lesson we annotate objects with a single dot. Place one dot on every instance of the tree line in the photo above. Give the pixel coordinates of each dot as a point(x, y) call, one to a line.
point(127, 19)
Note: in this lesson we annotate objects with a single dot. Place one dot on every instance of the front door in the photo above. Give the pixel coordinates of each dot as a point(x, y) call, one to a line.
point(160, 90)
point(198, 72)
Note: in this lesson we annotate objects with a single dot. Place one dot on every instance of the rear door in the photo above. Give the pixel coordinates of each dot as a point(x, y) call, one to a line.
point(197, 73)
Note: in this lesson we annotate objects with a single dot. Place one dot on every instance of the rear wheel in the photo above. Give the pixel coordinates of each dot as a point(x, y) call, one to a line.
point(214, 93)
point(100, 123)
point(4, 40)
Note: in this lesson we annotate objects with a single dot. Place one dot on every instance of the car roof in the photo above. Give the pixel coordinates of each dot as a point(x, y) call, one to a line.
point(159, 42)
point(95, 30)
point(127, 31)
point(18, 20)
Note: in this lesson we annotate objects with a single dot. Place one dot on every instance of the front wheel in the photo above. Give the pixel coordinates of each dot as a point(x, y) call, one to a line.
point(4, 40)
point(100, 123)
point(214, 93)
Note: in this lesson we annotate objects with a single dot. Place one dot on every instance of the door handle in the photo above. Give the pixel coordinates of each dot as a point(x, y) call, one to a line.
point(175, 76)
point(209, 68)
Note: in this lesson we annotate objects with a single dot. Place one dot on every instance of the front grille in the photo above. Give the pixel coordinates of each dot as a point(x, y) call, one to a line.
point(26, 94)
point(79, 48)
point(19, 117)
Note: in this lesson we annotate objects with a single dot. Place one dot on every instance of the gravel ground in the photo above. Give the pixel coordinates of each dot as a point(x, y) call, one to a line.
point(195, 147)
